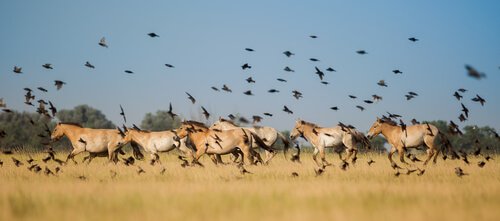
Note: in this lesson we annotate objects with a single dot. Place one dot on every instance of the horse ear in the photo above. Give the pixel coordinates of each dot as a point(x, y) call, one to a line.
point(220, 118)
point(378, 119)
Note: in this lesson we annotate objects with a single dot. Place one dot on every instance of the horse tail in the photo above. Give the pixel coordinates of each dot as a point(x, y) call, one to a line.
point(286, 143)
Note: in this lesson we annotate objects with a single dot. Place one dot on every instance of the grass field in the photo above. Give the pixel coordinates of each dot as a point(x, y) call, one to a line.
point(221, 193)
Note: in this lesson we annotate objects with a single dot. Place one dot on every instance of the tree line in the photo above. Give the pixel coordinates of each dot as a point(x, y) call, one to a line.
point(31, 131)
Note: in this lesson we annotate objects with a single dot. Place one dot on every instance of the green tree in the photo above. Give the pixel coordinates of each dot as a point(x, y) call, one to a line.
point(86, 116)
point(27, 131)
point(159, 121)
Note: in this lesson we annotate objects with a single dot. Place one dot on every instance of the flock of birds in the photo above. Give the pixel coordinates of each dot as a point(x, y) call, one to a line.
point(51, 110)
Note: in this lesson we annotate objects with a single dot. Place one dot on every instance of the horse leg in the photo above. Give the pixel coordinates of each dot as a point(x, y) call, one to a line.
point(429, 142)
point(73, 153)
point(258, 157)
point(91, 157)
point(391, 152)
point(401, 153)
point(355, 157)
point(137, 151)
point(430, 153)
point(315, 153)
point(323, 157)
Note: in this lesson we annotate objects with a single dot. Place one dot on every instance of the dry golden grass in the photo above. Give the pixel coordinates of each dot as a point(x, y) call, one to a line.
point(220, 193)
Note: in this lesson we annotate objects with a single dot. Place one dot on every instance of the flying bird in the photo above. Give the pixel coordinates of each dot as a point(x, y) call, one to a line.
point(281, 79)
point(368, 101)
point(297, 94)
point(256, 119)
point(249, 49)
point(246, 66)
point(376, 98)
point(129, 72)
point(360, 107)
point(288, 69)
point(273, 91)
point(169, 66)
point(191, 98)
point(462, 90)
point(153, 35)
point(205, 112)
point(268, 114)
point(313, 59)
point(18, 70)
point(361, 52)
point(459, 172)
point(287, 110)
point(352, 97)
point(465, 110)
point(288, 53)
point(47, 66)
point(382, 83)
point(52, 109)
point(250, 80)
point(59, 84)
point(226, 88)
point(413, 39)
point(249, 93)
point(331, 69)
point(457, 95)
point(89, 65)
point(214, 88)
point(479, 99)
point(102, 42)
point(396, 71)
point(42, 89)
point(472, 72)
point(313, 36)
point(170, 112)
point(319, 73)
point(334, 108)
point(123, 114)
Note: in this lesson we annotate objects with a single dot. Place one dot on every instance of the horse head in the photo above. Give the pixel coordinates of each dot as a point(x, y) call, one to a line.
point(57, 133)
point(298, 130)
point(375, 129)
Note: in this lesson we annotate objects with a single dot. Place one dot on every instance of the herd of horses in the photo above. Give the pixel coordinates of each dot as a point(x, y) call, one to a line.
point(194, 139)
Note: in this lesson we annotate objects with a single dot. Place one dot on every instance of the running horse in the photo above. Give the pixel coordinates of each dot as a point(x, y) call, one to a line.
point(95, 141)
point(221, 142)
point(410, 137)
point(156, 142)
point(267, 134)
point(329, 137)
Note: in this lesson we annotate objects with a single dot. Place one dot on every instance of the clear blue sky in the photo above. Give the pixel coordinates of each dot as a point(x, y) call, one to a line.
point(205, 41)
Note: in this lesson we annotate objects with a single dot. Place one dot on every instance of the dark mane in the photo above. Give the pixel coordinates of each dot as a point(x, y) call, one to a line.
point(71, 123)
point(196, 123)
point(227, 121)
point(389, 121)
point(310, 124)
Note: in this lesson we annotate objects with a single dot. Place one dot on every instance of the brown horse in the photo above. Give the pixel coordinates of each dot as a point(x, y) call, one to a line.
point(222, 142)
point(325, 137)
point(94, 141)
point(412, 137)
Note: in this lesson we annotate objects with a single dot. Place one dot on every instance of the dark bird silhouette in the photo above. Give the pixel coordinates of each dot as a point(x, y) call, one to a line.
point(479, 99)
point(462, 118)
point(59, 84)
point(273, 91)
point(52, 109)
point(376, 98)
point(242, 169)
point(136, 127)
point(205, 112)
point(6, 110)
point(334, 108)
point(170, 112)
point(288, 53)
point(81, 140)
point(249, 93)
point(465, 110)
point(47, 66)
point(17, 162)
point(481, 164)
point(246, 66)
point(352, 97)
point(319, 73)
point(459, 172)
point(472, 72)
point(370, 162)
point(319, 171)
point(382, 83)
point(394, 116)
point(128, 161)
point(313, 36)
point(395, 166)
point(256, 119)
point(249, 49)
point(123, 114)
point(231, 116)
point(413, 39)
point(169, 66)
point(331, 69)
point(191, 98)
point(429, 130)
point(314, 59)
point(140, 170)
point(42, 89)
point(287, 110)
point(102, 42)
point(226, 88)
point(129, 72)
point(281, 79)
point(409, 97)
point(457, 95)
point(184, 161)
point(288, 69)
point(362, 52)
point(396, 71)
point(412, 93)
point(297, 94)
point(48, 172)
point(250, 80)
point(295, 174)
point(214, 88)
point(344, 165)
point(153, 35)
point(462, 90)
point(368, 101)
point(360, 107)
point(89, 65)
point(268, 114)
point(18, 70)
point(420, 172)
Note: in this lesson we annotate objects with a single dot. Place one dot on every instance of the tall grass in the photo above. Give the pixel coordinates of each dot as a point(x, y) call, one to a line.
point(361, 192)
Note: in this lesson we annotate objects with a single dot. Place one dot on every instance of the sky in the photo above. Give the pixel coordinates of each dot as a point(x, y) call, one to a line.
point(205, 41)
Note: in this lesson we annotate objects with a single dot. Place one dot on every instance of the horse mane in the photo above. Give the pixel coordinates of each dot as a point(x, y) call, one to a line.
point(71, 123)
point(196, 123)
point(310, 124)
point(389, 121)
